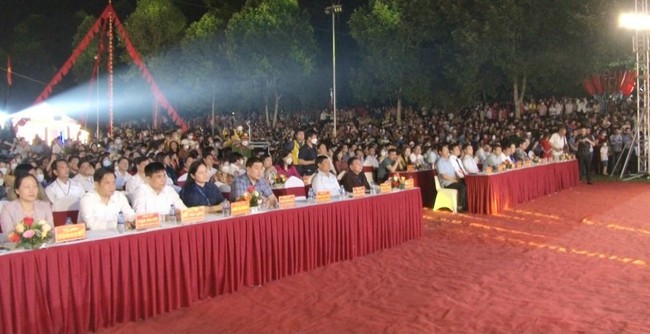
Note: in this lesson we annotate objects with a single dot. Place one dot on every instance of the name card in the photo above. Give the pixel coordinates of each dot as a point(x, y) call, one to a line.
point(240, 208)
point(385, 187)
point(409, 184)
point(67, 233)
point(410, 168)
point(358, 191)
point(147, 220)
point(500, 168)
point(193, 215)
point(287, 201)
point(323, 196)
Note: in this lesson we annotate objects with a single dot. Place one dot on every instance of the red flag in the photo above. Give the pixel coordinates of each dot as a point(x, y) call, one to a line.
point(9, 81)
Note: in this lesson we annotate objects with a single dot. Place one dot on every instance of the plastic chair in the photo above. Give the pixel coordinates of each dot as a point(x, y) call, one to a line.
point(294, 182)
point(445, 197)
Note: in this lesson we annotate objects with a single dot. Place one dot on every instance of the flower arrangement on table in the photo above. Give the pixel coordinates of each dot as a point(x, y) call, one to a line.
point(30, 234)
point(508, 165)
point(280, 179)
point(252, 196)
point(397, 181)
point(419, 166)
point(536, 160)
point(565, 157)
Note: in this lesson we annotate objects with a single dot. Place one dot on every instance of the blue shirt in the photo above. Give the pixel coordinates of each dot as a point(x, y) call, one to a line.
point(194, 195)
point(444, 166)
point(241, 183)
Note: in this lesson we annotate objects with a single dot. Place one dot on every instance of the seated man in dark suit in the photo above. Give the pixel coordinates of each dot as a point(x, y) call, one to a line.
point(354, 177)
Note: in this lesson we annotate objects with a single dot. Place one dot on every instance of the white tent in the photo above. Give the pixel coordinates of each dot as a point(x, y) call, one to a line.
point(48, 123)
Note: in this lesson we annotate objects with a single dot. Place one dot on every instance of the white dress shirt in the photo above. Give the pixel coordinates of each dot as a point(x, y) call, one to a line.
point(98, 215)
point(146, 200)
point(470, 164)
point(58, 190)
point(85, 181)
point(416, 158)
point(558, 142)
point(458, 166)
point(371, 160)
point(325, 182)
point(133, 184)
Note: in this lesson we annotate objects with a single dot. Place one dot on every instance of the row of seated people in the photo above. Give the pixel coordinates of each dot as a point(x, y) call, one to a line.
point(99, 207)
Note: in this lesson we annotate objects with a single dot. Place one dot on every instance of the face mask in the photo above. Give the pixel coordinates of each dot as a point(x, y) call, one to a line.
point(288, 161)
point(106, 163)
point(240, 128)
point(383, 153)
point(13, 166)
point(40, 177)
point(190, 137)
point(3, 170)
point(118, 141)
point(244, 143)
point(314, 141)
point(2, 182)
point(186, 147)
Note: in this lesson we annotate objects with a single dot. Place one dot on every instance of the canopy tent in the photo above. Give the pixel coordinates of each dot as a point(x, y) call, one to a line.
point(48, 123)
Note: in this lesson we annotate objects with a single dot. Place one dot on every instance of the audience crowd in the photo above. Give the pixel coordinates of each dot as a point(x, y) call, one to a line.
point(140, 169)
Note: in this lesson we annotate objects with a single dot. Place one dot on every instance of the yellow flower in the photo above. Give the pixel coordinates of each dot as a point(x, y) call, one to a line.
point(402, 178)
point(20, 228)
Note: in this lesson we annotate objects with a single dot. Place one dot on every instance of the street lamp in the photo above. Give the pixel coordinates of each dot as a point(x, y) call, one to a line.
point(639, 21)
point(333, 10)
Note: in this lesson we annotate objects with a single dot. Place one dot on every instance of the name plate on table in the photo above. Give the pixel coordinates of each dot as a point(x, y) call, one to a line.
point(147, 220)
point(287, 201)
point(410, 168)
point(358, 191)
point(500, 168)
point(323, 196)
point(67, 233)
point(385, 188)
point(409, 184)
point(193, 215)
point(240, 208)
point(488, 170)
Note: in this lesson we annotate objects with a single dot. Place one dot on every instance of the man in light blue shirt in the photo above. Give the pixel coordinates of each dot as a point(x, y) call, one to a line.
point(449, 179)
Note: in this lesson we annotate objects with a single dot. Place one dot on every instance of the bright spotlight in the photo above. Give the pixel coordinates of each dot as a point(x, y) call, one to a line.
point(634, 21)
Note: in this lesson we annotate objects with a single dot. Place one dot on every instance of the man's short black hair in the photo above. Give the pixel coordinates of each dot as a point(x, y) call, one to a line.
point(153, 168)
point(320, 159)
point(352, 160)
point(251, 161)
point(100, 173)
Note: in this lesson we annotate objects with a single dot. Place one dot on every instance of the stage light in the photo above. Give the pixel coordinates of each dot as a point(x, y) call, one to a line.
point(634, 21)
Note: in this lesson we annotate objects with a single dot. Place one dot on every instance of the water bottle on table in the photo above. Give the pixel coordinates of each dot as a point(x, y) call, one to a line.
point(68, 221)
point(172, 214)
point(312, 196)
point(226, 208)
point(121, 222)
point(342, 192)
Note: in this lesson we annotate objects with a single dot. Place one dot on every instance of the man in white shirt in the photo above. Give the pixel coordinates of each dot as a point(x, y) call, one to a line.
point(323, 180)
point(85, 176)
point(416, 156)
point(558, 143)
point(469, 162)
point(454, 158)
point(494, 159)
point(122, 175)
point(371, 159)
point(99, 208)
point(62, 185)
point(139, 178)
point(155, 196)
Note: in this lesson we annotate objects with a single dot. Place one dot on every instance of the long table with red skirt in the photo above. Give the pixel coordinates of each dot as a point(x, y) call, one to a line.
point(423, 179)
point(84, 286)
point(493, 193)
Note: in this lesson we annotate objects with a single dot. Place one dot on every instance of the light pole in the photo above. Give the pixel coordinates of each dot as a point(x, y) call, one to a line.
point(333, 10)
point(640, 23)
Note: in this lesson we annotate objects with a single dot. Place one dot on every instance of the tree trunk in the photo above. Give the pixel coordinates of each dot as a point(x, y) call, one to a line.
point(277, 107)
point(518, 99)
point(399, 107)
point(266, 103)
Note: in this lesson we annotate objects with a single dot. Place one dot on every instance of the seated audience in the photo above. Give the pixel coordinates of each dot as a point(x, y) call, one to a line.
point(253, 177)
point(99, 208)
point(155, 196)
point(25, 205)
point(198, 191)
point(355, 177)
point(323, 180)
point(449, 179)
point(62, 186)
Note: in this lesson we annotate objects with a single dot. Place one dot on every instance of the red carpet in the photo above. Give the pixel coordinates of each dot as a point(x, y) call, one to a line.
point(574, 262)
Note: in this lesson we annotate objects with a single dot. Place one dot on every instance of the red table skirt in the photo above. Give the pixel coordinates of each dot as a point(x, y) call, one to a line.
point(491, 194)
point(424, 180)
point(85, 286)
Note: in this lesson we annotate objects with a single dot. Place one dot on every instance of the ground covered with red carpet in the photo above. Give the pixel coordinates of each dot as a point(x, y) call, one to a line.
point(574, 262)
